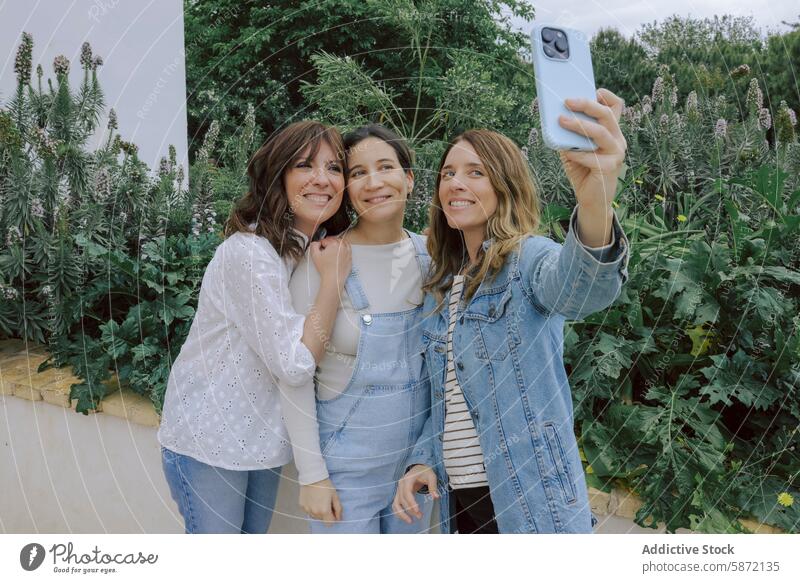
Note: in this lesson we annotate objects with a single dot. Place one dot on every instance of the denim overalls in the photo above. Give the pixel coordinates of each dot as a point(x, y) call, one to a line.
point(367, 432)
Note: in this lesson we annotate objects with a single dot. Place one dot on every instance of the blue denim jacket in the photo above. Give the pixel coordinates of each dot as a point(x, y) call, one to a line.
point(508, 347)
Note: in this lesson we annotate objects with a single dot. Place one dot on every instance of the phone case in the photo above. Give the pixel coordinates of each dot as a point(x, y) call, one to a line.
point(558, 79)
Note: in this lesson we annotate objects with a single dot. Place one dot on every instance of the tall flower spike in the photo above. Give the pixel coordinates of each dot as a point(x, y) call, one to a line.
point(647, 106)
point(658, 89)
point(102, 185)
point(764, 118)
point(755, 99)
point(784, 124)
point(86, 55)
point(741, 71)
point(97, 63)
point(721, 129)
point(535, 107)
point(61, 65)
point(533, 138)
point(112, 119)
point(721, 105)
point(691, 102)
point(22, 65)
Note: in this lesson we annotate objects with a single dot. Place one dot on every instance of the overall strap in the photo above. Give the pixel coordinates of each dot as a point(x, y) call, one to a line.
point(421, 250)
point(356, 292)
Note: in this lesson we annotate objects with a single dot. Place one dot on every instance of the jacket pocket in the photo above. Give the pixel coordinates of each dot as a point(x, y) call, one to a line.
point(560, 463)
point(491, 317)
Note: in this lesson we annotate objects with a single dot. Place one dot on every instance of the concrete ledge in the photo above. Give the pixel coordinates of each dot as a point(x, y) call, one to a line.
point(131, 406)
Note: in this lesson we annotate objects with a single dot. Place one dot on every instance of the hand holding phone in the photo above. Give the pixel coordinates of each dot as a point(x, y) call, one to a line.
point(585, 130)
point(562, 65)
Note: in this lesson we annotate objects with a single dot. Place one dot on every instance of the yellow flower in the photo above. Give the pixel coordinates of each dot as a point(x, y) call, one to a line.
point(614, 204)
point(785, 499)
point(701, 339)
point(659, 198)
point(681, 218)
point(637, 181)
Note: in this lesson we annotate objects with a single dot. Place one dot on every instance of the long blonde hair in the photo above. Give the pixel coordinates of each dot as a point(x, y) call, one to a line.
point(517, 214)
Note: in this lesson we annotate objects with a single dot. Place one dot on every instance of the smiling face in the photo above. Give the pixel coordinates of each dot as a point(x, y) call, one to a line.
point(377, 184)
point(466, 193)
point(315, 187)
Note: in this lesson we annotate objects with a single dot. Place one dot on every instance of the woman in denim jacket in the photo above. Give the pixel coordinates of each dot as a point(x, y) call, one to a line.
point(499, 440)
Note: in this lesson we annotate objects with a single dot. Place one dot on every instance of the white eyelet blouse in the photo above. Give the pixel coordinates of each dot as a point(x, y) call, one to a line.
point(222, 404)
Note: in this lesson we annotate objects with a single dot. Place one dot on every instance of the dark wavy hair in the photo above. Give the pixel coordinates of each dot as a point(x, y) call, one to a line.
point(266, 203)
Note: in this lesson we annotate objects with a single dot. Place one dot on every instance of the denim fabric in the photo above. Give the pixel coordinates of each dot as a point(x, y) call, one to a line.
point(367, 432)
point(508, 346)
point(220, 501)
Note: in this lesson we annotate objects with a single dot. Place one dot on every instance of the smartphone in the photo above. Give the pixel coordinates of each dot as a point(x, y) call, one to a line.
point(562, 65)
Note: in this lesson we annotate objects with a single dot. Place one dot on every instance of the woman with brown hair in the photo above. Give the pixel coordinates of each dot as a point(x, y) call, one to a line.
point(222, 434)
point(498, 447)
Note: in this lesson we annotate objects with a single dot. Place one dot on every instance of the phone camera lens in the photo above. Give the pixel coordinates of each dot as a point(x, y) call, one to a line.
point(547, 35)
point(549, 52)
point(561, 44)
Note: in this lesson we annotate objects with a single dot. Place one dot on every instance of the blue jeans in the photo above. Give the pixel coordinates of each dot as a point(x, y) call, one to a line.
point(216, 500)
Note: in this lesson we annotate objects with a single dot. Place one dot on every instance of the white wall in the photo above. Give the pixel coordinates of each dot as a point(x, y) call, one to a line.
point(141, 43)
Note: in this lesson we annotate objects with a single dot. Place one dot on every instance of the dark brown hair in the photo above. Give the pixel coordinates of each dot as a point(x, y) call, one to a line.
point(266, 203)
point(405, 155)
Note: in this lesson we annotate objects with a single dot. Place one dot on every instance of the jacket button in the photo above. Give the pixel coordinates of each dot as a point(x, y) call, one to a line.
point(438, 394)
point(461, 320)
point(439, 348)
point(491, 311)
point(367, 319)
point(460, 365)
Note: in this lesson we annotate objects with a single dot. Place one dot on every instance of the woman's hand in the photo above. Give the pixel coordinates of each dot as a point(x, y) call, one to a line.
point(593, 175)
point(321, 502)
point(332, 257)
point(405, 503)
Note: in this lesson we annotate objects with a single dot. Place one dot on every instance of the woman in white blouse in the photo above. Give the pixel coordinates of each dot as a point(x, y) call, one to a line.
point(222, 433)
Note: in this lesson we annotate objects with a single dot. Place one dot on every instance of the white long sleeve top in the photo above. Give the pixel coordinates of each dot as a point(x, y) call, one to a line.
point(222, 405)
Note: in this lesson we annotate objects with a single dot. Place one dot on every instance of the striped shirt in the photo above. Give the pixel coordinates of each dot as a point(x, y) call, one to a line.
point(463, 459)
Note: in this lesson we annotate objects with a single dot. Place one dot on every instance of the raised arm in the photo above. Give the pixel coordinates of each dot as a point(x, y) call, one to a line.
point(332, 257)
point(572, 279)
